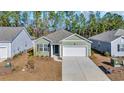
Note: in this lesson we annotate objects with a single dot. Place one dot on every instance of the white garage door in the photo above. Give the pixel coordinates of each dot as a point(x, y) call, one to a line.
point(74, 51)
point(3, 52)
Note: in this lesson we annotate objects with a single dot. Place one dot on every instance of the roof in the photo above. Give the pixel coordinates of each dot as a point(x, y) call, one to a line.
point(108, 36)
point(58, 35)
point(8, 34)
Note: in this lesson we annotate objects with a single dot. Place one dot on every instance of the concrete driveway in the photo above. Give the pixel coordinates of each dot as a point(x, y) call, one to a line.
point(81, 68)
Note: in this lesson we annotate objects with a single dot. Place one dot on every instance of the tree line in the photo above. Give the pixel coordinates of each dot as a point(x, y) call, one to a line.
point(44, 22)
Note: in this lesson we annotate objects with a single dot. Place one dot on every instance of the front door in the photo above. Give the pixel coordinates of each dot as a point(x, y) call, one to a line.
point(56, 49)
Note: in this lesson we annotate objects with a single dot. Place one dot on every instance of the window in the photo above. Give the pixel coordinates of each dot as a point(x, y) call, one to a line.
point(45, 47)
point(39, 47)
point(42, 47)
point(120, 47)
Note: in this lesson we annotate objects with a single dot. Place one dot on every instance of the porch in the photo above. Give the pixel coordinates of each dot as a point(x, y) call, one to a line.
point(56, 52)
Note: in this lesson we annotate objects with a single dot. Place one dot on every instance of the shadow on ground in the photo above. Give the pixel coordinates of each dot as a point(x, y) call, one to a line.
point(107, 63)
point(104, 70)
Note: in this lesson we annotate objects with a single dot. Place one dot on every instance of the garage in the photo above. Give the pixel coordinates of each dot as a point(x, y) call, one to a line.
point(3, 52)
point(74, 51)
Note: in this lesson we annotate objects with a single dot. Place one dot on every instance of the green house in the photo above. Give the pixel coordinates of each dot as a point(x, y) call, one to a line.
point(62, 43)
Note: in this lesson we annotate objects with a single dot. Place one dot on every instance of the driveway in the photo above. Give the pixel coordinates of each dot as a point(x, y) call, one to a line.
point(81, 68)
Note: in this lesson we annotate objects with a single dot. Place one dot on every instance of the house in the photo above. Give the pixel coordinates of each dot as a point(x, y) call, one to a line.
point(13, 40)
point(110, 41)
point(62, 43)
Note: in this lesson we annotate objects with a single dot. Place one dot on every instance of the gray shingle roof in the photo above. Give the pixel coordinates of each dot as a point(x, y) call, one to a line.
point(56, 36)
point(108, 36)
point(8, 34)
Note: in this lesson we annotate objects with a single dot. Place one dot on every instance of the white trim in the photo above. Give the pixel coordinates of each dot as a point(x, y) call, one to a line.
point(69, 46)
point(43, 47)
point(78, 36)
point(51, 50)
point(43, 37)
point(116, 39)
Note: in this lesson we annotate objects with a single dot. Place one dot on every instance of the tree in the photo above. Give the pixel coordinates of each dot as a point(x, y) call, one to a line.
point(82, 21)
point(37, 23)
point(25, 17)
point(92, 23)
point(14, 18)
point(53, 19)
point(4, 18)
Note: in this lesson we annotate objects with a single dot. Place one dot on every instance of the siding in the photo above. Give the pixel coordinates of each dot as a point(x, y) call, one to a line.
point(8, 46)
point(20, 42)
point(101, 46)
point(40, 53)
point(114, 47)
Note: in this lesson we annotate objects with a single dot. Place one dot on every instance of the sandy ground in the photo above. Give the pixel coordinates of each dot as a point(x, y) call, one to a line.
point(117, 72)
point(45, 69)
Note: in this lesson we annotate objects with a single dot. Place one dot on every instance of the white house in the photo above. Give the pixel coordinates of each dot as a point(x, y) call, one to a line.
point(13, 40)
point(110, 41)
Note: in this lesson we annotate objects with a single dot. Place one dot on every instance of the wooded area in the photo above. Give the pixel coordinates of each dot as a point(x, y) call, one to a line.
point(76, 22)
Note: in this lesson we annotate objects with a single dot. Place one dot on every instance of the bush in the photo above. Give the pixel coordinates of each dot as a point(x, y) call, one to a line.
point(107, 54)
point(31, 53)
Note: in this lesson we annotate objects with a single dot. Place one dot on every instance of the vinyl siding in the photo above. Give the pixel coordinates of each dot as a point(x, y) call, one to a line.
point(114, 47)
point(101, 46)
point(40, 53)
point(21, 42)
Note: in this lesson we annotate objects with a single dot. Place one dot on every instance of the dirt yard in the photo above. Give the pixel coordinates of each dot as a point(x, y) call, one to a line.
point(117, 72)
point(46, 69)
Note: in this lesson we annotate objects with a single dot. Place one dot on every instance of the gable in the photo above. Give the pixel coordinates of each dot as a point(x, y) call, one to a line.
point(76, 39)
point(8, 34)
point(41, 40)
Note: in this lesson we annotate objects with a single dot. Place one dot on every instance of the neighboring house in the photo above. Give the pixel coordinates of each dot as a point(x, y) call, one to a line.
point(13, 40)
point(62, 43)
point(110, 41)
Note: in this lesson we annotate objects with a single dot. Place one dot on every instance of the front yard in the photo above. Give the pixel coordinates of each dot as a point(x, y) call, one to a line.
point(100, 60)
point(45, 68)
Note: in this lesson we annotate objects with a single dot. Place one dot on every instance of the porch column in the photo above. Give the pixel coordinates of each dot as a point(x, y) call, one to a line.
point(60, 50)
point(51, 50)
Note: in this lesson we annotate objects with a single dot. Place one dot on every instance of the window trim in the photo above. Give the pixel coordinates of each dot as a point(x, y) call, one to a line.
point(120, 48)
point(43, 47)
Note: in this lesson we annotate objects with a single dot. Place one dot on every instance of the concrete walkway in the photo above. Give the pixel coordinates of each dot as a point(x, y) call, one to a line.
point(81, 69)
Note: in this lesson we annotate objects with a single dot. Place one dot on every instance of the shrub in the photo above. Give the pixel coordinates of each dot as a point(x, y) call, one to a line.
point(30, 53)
point(107, 53)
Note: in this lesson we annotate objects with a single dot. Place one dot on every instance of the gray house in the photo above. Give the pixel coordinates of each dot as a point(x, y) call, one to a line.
point(110, 41)
point(62, 43)
point(13, 40)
